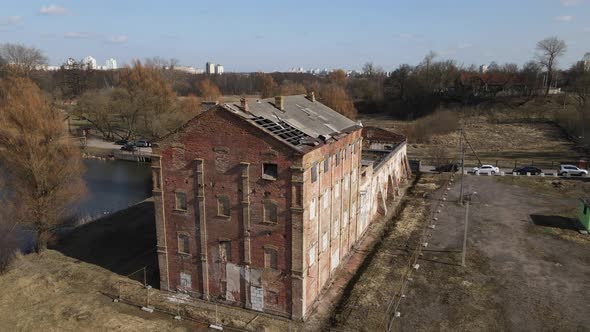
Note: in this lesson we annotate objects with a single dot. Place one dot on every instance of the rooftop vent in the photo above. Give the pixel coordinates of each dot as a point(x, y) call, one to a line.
point(311, 96)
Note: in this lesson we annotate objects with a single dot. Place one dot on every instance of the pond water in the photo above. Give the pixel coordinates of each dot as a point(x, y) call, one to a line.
point(110, 186)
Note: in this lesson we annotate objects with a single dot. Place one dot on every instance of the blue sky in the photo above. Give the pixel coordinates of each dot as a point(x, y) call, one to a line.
point(277, 35)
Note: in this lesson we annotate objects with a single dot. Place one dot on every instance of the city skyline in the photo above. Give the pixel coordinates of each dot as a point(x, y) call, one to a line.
point(266, 36)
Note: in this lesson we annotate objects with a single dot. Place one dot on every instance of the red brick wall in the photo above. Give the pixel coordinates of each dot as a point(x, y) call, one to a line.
point(223, 141)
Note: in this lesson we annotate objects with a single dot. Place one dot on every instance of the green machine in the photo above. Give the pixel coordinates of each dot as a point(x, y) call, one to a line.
point(584, 215)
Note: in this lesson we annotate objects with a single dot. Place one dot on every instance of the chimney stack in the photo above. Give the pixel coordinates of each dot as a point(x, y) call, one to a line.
point(279, 103)
point(311, 96)
point(244, 104)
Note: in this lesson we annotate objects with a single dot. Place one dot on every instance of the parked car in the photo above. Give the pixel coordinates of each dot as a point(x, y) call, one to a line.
point(569, 170)
point(485, 169)
point(447, 168)
point(129, 147)
point(527, 169)
point(121, 142)
point(143, 144)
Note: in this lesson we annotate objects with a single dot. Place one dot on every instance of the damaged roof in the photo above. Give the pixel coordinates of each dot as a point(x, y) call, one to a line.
point(299, 120)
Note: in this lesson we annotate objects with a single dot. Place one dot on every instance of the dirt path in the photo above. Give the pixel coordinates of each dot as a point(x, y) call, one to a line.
point(519, 276)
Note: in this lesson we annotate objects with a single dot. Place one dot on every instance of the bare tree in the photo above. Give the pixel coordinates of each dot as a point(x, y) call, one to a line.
point(43, 164)
point(550, 49)
point(21, 57)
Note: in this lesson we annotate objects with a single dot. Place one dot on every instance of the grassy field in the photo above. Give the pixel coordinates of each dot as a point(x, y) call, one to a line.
point(502, 143)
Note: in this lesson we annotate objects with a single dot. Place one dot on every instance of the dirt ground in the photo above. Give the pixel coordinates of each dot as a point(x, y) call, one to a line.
point(527, 265)
point(506, 142)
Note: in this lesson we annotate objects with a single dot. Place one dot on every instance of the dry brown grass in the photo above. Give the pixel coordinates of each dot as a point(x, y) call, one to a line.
point(52, 292)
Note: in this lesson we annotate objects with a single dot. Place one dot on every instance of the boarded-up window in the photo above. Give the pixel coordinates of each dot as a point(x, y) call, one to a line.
point(223, 206)
point(185, 280)
point(312, 209)
point(224, 251)
point(183, 243)
point(270, 212)
point(180, 201)
point(338, 158)
point(336, 228)
point(314, 172)
point(354, 175)
point(270, 258)
point(270, 171)
point(312, 255)
point(337, 189)
point(324, 241)
point(327, 163)
point(326, 199)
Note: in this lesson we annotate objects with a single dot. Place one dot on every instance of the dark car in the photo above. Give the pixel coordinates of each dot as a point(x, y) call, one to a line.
point(527, 169)
point(447, 168)
point(129, 147)
point(143, 144)
point(121, 142)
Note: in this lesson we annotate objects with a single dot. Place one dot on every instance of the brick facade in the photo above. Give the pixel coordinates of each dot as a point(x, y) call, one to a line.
point(233, 227)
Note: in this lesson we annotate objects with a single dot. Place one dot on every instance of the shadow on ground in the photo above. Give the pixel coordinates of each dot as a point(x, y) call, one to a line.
point(555, 222)
point(123, 242)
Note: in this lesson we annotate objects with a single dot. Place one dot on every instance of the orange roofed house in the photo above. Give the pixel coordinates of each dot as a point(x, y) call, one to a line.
point(259, 202)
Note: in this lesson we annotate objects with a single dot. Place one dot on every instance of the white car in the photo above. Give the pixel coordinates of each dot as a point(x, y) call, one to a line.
point(485, 169)
point(569, 170)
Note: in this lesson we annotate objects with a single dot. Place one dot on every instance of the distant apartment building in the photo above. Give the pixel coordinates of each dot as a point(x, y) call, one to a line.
point(586, 61)
point(210, 68)
point(260, 202)
point(218, 69)
point(111, 64)
point(89, 63)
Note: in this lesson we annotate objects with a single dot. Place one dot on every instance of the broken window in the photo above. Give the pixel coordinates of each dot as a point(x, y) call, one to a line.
point(183, 243)
point(327, 164)
point(270, 212)
point(338, 158)
point(222, 206)
point(270, 258)
point(314, 172)
point(180, 201)
point(224, 251)
point(270, 171)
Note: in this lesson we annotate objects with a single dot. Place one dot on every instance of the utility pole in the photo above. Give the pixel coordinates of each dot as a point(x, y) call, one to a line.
point(462, 164)
point(465, 233)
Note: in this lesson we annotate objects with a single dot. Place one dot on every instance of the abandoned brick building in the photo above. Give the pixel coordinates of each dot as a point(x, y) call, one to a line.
point(259, 202)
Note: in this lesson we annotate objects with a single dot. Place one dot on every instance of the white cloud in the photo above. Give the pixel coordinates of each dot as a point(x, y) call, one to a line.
point(570, 3)
point(76, 35)
point(564, 18)
point(53, 10)
point(10, 20)
point(120, 39)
